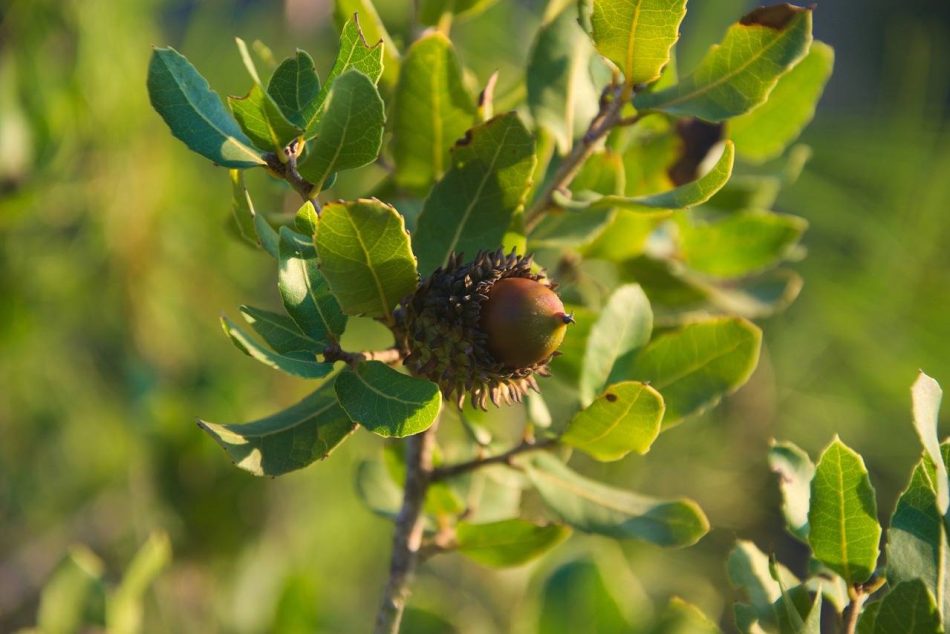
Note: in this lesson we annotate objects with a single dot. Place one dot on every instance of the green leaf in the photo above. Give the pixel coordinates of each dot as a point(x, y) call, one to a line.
point(368, 22)
point(125, 606)
point(843, 528)
point(561, 92)
point(73, 594)
point(689, 195)
point(306, 295)
point(243, 209)
point(194, 112)
point(267, 236)
point(738, 244)
point(472, 206)
point(624, 237)
point(365, 256)
point(739, 73)
point(679, 617)
point(637, 35)
point(749, 570)
point(797, 612)
point(625, 418)
point(593, 507)
point(288, 440)
point(350, 132)
point(306, 220)
point(695, 366)
point(387, 402)
point(867, 618)
point(294, 87)
point(766, 131)
point(917, 545)
point(623, 327)
point(907, 609)
point(576, 598)
point(926, 395)
point(262, 120)
point(508, 542)
point(377, 489)
point(431, 10)
point(302, 363)
point(279, 331)
point(354, 53)
point(795, 471)
point(433, 110)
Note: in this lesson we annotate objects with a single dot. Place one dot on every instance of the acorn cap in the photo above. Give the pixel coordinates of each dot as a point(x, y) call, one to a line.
point(446, 338)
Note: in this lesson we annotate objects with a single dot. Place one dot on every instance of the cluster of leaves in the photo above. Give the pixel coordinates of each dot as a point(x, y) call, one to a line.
point(831, 507)
point(623, 187)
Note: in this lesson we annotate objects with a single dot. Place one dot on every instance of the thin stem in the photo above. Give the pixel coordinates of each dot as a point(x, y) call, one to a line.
point(858, 597)
point(286, 168)
point(333, 352)
point(611, 104)
point(407, 539)
point(452, 471)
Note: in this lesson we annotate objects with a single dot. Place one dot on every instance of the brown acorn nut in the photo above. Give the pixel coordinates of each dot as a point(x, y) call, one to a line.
point(524, 320)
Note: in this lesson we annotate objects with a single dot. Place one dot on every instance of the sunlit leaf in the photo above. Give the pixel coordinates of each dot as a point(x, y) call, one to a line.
point(679, 617)
point(695, 366)
point(508, 542)
point(74, 595)
point(593, 507)
point(795, 471)
point(748, 569)
point(288, 440)
point(262, 120)
point(365, 256)
point(623, 327)
point(739, 73)
point(350, 132)
point(294, 87)
point(842, 517)
point(767, 130)
point(472, 206)
point(625, 418)
point(373, 30)
point(387, 402)
point(194, 112)
point(637, 35)
point(683, 197)
point(356, 53)
point(926, 395)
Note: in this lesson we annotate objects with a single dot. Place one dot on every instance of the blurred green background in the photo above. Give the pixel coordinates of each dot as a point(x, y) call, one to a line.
point(116, 261)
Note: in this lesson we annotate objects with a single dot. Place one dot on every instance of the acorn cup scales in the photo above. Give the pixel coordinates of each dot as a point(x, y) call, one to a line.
point(483, 328)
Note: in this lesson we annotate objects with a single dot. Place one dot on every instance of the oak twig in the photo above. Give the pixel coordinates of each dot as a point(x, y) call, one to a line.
point(612, 101)
point(334, 352)
point(451, 471)
point(285, 167)
point(407, 538)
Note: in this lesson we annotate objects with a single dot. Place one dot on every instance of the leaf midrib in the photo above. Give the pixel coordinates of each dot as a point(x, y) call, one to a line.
point(728, 76)
point(194, 107)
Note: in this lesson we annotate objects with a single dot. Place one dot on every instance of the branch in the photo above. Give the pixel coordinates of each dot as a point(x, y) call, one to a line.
point(333, 352)
point(287, 170)
point(451, 471)
point(611, 104)
point(407, 539)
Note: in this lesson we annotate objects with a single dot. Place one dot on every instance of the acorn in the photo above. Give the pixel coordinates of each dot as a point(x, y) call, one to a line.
point(482, 329)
